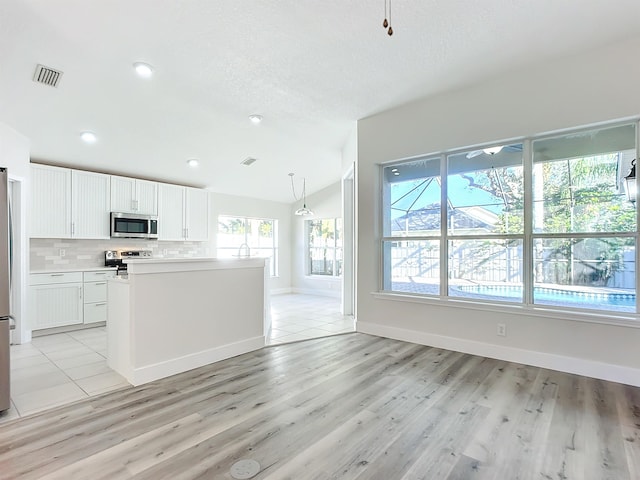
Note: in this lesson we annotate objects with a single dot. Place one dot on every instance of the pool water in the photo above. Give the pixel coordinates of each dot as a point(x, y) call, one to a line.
point(553, 296)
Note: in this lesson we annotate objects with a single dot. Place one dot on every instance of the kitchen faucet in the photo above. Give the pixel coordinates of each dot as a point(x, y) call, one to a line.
point(247, 251)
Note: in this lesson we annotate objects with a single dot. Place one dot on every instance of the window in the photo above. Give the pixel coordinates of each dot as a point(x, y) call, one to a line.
point(568, 242)
point(255, 237)
point(325, 246)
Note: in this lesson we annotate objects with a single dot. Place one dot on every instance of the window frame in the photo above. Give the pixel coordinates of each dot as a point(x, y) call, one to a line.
point(274, 263)
point(528, 237)
point(335, 248)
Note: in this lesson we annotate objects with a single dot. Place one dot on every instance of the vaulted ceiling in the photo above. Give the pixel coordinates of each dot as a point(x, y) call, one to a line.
point(310, 68)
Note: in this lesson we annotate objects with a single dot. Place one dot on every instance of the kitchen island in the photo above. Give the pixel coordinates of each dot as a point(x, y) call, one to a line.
point(173, 315)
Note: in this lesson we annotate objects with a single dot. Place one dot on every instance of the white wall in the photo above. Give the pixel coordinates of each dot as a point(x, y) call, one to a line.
point(598, 86)
point(14, 154)
point(250, 207)
point(327, 203)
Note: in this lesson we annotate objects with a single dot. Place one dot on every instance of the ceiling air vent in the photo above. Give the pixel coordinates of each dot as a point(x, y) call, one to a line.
point(47, 76)
point(248, 161)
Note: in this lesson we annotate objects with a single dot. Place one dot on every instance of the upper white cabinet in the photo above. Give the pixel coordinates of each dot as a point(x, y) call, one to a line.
point(50, 211)
point(184, 213)
point(131, 195)
point(90, 205)
point(68, 203)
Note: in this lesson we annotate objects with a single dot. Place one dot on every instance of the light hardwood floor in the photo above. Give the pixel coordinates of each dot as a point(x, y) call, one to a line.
point(345, 407)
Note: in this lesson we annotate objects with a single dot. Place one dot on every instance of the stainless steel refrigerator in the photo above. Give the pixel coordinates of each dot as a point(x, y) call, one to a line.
point(5, 288)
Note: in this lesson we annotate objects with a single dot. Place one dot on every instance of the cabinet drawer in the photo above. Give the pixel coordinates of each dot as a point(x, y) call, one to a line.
point(95, 292)
point(95, 312)
point(53, 278)
point(97, 276)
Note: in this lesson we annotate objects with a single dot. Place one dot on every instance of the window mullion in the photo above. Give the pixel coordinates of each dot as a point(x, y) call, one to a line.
point(527, 254)
point(444, 243)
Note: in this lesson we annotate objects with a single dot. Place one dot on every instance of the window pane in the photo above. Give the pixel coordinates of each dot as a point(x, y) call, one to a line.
point(486, 269)
point(412, 266)
point(594, 273)
point(578, 183)
point(322, 261)
point(412, 198)
point(325, 242)
point(486, 191)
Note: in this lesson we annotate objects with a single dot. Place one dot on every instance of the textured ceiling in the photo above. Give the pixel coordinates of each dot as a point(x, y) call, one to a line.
point(311, 68)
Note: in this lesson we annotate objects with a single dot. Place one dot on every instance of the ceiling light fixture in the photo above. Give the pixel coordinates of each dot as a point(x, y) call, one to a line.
point(143, 69)
point(255, 119)
point(304, 211)
point(386, 23)
point(492, 150)
point(89, 137)
point(193, 162)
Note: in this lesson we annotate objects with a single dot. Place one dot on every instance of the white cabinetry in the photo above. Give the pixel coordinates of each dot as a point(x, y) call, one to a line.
point(50, 210)
point(90, 205)
point(95, 296)
point(56, 299)
point(183, 213)
point(131, 195)
point(68, 203)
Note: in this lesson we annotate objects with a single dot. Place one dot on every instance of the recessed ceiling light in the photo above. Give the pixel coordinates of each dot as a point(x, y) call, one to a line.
point(193, 162)
point(143, 69)
point(255, 119)
point(89, 137)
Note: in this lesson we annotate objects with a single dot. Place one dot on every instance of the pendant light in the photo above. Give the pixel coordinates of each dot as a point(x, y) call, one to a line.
point(304, 211)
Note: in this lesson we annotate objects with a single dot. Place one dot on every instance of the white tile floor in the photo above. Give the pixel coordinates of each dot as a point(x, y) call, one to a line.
point(57, 369)
point(300, 317)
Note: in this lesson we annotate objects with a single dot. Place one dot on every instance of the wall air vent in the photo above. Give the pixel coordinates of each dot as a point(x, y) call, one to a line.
point(47, 76)
point(248, 161)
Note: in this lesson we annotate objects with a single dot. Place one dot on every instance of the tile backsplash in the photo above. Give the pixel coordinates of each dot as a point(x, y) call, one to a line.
point(46, 253)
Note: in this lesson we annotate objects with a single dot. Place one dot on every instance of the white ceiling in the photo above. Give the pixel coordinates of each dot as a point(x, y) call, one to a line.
point(311, 68)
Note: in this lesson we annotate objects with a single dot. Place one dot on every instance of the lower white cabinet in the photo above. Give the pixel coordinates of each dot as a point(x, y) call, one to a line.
point(56, 299)
point(95, 296)
point(69, 298)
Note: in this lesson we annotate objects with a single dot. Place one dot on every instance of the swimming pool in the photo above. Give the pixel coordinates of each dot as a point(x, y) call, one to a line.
point(623, 301)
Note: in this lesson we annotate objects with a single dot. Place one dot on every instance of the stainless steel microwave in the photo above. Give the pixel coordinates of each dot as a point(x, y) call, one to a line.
point(133, 225)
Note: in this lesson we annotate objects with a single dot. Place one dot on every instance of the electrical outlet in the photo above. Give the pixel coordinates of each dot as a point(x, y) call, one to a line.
point(502, 330)
point(62, 252)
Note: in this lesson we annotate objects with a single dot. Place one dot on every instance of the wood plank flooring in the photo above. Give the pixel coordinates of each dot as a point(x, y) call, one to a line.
point(345, 407)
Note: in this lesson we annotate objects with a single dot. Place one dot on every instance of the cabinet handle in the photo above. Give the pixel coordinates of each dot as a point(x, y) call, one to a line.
point(57, 274)
point(99, 273)
point(73, 228)
point(101, 283)
point(100, 304)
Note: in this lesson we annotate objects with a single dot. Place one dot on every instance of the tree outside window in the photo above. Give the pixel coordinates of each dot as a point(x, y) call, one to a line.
point(325, 246)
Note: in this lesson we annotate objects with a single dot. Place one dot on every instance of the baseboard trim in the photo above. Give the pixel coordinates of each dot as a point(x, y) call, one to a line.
point(280, 291)
point(578, 366)
point(318, 292)
point(167, 368)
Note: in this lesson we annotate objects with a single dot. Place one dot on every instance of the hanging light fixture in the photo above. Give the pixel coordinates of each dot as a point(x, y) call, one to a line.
point(630, 182)
point(387, 24)
point(304, 210)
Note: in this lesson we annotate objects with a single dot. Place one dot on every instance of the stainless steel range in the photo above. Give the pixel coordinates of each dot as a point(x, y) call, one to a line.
point(114, 258)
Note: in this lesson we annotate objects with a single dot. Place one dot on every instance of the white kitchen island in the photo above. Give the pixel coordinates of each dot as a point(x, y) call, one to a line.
point(173, 315)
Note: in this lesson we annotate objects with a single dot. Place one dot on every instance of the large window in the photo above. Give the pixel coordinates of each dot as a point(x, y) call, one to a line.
point(243, 237)
point(541, 222)
point(325, 246)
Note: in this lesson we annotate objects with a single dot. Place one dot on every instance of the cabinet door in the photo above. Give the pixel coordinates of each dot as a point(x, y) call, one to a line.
point(196, 214)
point(56, 305)
point(171, 212)
point(147, 197)
point(50, 210)
point(123, 194)
point(90, 205)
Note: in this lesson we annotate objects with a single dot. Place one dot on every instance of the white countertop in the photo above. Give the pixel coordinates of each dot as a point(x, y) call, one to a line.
point(67, 270)
point(158, 265)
